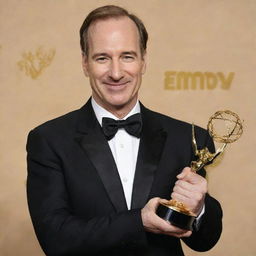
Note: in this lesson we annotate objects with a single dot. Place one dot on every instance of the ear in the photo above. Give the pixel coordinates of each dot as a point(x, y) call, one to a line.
point(144, 64)
point(85, 64)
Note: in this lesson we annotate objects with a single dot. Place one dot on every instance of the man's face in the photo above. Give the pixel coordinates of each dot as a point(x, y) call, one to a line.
point(114, 63)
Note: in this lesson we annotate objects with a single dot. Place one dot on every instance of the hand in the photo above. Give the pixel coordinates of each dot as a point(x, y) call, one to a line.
point(154, 224)
point(190, 189)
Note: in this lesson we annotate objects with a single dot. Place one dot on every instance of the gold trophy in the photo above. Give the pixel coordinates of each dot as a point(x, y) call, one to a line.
point(224, 127)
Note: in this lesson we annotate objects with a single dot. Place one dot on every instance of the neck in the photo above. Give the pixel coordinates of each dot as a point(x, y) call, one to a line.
point(120, 113)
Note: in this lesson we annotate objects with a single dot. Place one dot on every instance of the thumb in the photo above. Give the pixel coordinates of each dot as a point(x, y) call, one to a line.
point(153, 203)
point(184, 173)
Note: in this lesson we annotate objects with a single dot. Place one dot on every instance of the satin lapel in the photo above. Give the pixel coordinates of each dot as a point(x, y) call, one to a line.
point(150, 151)
point(97, 149)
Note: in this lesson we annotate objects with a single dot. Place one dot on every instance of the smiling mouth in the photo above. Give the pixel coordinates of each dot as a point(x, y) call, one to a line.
point(117, 84)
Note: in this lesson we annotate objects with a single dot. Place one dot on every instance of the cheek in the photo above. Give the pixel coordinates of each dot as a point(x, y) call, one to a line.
point(97, 72)
point(138, 75)
point(141, 69)
point(136, 71)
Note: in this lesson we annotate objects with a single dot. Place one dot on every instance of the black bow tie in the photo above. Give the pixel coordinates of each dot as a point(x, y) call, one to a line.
point(132, 125)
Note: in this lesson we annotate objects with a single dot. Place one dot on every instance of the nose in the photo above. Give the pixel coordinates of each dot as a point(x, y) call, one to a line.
point(116, 71)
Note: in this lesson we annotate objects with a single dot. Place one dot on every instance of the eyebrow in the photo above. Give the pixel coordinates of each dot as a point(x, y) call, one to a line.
point(130, 53)
point(94, 56)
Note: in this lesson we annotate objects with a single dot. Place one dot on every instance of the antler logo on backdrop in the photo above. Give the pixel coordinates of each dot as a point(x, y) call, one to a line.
point(180, 80)
point(33, 64)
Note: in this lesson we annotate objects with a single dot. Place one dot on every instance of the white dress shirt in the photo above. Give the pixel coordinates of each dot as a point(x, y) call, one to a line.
point(124, 148)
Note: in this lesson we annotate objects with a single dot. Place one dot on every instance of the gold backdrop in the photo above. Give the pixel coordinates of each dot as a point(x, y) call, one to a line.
point(201, 58)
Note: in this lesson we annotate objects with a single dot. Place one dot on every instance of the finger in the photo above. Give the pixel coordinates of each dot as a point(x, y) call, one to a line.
point(160, 226)
point(180, 198)
point(188, 200)
point(190, 176)
point(185, 185)
point(164, 201)
point(190, 191)
point(178, 232)
point(164, 226)
point(183, 192)
point(153, 203)
point(186, 234)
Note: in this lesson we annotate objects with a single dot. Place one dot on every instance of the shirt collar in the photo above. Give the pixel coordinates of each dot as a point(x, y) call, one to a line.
point(101, 112)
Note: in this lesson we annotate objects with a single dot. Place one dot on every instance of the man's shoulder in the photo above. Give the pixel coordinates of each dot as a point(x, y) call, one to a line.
point(67, 121)
point(170, 123)
point(59, 125)
point(165, 120)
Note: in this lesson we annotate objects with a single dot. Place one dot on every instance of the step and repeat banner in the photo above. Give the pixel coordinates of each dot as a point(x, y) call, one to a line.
point(201, 58)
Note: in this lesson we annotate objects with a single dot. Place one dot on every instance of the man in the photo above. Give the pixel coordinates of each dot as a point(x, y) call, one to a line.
point(92, 191)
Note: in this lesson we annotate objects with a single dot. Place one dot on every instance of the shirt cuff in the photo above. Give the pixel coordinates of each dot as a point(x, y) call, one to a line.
point(197, 220)
point(201, 213)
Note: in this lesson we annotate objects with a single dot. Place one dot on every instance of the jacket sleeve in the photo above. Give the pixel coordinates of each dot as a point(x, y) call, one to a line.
point(210, 227)
point(58, 229)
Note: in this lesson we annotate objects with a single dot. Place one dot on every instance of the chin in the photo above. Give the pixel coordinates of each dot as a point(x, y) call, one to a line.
point(119, 101)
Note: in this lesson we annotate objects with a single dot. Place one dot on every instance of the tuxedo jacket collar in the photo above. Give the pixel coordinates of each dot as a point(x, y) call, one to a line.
point(97, 149)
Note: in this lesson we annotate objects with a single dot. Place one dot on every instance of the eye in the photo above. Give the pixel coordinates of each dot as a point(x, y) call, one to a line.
point(128, 58)
point(101, 59)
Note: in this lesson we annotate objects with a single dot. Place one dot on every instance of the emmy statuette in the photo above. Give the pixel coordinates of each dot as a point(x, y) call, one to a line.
point(224, 127)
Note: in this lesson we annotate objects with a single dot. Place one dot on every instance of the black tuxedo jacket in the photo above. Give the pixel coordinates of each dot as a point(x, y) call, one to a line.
point(75, 195)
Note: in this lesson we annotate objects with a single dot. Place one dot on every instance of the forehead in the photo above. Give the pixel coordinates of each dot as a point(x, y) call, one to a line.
point(115, 33)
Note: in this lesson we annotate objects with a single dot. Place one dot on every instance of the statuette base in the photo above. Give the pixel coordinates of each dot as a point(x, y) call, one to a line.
point(176, 216)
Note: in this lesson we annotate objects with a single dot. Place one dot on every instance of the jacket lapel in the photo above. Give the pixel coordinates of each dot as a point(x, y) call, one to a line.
point(97, 149)
point(151, 146)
